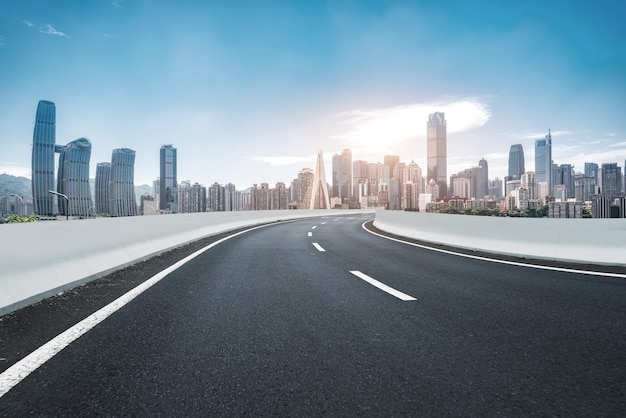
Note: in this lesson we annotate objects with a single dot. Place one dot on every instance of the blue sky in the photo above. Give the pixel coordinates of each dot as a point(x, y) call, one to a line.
point(248, 91)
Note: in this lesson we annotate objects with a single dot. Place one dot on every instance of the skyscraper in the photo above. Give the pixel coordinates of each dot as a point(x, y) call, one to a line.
point(516, 162)
point(168, 194)
point(565, 175)
point(611, 175)
point(485, 166)
point(342, 175)
point(73, 178)
point(543, 162)
point(436, 137)
point(103, 176)
point(43, 158)
point(346, 174)
point(122, 183)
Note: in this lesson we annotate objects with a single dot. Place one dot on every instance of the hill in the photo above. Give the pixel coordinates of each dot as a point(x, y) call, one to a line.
point(22, 186)
point(17, 185)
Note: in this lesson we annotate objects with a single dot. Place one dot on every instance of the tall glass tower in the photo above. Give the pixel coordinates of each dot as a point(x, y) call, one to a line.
point(516, 162)
point(103, 176)
point(437, 156)
point(485, 166)
point(73, 179)
point(168, 194)
point(543, 162)
point(122, 183)
point(43, 158)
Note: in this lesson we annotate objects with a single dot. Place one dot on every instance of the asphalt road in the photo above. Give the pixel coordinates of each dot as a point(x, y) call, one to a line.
point(278, 321)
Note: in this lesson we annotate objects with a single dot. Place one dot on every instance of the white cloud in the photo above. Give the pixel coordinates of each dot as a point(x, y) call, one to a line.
point(117, 3)
point(14, 169)
point(375, 130)
point(283, 160)
point(540, 135)
point(48, 29)
point(109, 36)
point(27, 23)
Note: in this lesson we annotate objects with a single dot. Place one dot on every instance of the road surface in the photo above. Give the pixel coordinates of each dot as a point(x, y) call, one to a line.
point(321, 317)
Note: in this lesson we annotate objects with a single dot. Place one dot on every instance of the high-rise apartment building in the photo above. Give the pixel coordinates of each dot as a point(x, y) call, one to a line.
point(122, 183)
point(168, 183)
point(230, 198)
point(436, 137)
point(103, 176)
point(44, 136)
point(543, 162)
point(516, 162)
point(216, 197)
point(197, 198)
point(279, 196)
point(73, 178)
point(414, 175)
point(183, 196)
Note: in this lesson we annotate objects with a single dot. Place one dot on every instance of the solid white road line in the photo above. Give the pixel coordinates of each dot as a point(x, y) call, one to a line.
point(382, 286)
point(319, 247)
point(20, 370)
point(494, 260)
point(310, 234)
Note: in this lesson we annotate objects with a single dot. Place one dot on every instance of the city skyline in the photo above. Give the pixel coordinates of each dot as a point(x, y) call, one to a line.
point(249, 94)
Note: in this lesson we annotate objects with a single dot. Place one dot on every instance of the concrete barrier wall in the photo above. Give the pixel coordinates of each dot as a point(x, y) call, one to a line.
point(40, 259)
point(594, 241)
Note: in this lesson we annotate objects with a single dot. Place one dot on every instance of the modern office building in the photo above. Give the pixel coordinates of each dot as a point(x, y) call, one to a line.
point(564, 175)
point(43, 150)
point(516, 162)
point(342, 175)
point(360, 174)
point(543, 162)
point(103, 177)
point(73, 179)
point(529, 183)
point(437, 157)
point(485, 166)
point(611, 177)
point(584, 187)
point(591, 170)
point(122, 183)
point(168, 183)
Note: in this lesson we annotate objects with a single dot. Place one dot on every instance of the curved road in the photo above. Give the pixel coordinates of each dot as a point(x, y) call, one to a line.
point(285, 320)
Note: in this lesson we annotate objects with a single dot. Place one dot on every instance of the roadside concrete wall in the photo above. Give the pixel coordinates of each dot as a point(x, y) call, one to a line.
point(593, 241)
point(41, 259)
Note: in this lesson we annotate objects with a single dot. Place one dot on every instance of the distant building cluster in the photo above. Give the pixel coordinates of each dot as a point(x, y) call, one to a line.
point(598, 191)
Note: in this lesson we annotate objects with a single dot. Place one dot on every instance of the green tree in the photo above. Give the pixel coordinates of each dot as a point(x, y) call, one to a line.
point(19, 219)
